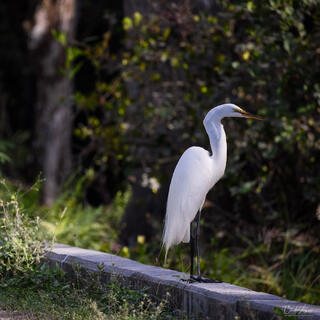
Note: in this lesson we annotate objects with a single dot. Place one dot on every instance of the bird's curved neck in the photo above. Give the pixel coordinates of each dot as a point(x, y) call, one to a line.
point(218, 142)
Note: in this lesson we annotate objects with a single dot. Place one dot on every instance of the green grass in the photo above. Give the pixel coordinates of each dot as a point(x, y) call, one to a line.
point(48, 294)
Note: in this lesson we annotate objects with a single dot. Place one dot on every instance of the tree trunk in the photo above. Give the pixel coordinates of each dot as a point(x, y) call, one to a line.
point(53, 130)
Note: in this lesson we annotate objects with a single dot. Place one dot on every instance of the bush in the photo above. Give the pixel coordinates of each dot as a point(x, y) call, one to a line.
point(21, 249)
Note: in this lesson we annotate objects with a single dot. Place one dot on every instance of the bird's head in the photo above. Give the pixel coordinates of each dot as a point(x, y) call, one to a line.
point(228, 110)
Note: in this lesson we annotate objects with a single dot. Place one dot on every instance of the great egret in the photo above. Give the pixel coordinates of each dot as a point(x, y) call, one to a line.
point(195, 174)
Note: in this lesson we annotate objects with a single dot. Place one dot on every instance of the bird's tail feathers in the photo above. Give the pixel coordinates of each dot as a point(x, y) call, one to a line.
point(166, 241)
point(165, 257)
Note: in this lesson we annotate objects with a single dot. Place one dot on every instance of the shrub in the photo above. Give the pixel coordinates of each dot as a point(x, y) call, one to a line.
point(20, 246)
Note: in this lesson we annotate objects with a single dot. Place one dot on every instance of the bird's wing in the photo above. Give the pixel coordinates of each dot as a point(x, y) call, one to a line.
point(191, 181)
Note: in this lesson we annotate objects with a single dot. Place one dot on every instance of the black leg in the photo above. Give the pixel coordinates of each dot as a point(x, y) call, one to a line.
point(195, 238)
point(191, 249)
point(198, 217)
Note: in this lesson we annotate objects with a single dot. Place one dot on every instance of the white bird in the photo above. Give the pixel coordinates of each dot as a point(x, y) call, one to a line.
point(195, 174)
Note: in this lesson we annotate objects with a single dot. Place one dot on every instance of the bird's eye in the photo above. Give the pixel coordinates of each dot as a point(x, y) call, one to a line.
point(237, 110)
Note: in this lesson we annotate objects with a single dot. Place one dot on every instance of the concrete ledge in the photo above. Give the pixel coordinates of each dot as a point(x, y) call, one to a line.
point(196, 300)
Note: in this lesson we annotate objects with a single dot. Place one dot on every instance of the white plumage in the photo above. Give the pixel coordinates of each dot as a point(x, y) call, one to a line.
point(195, 174)
point(193, 177)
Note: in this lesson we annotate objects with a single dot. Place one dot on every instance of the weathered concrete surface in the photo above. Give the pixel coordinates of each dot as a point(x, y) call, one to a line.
point(197, 300)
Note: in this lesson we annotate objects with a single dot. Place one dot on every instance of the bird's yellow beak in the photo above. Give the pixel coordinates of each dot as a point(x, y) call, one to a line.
point(250, 115)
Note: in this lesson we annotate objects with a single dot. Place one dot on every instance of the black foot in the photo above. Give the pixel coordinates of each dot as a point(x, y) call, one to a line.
point(200, 279)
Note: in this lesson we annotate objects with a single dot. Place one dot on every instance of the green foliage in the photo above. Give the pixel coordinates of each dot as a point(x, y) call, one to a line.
point(71, 222)
point(61, 37)
point(20, 246)
point(71, 66)
point(126, 303)
point(4, 147)
point(176, 65)
point(285, 315)
point(30, 287)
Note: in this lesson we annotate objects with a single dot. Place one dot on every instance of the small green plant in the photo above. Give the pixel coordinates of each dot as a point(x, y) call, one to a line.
point(132, 304)
point(71, 66)
point(20, 247)
point(284, 315)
